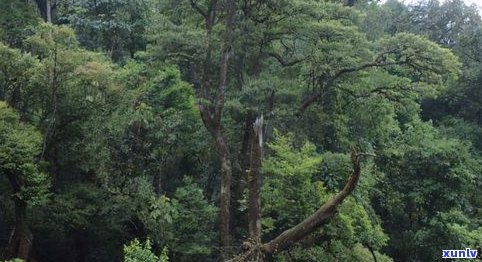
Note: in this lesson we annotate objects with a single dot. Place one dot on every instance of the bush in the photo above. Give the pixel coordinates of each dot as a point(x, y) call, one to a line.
point(141, 252)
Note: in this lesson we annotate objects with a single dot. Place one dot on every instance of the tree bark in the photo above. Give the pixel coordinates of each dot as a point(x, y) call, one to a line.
point(372, 252)
point(20, 242)
point(240, 177)
point(246, 142)
point(156, 181)
point(254, 182)
point(45, 7)
point(211, 114)
point(48, 11)
point(226, 176)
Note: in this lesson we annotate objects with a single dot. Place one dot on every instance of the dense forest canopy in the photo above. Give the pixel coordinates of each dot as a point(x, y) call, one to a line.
point(239, 130)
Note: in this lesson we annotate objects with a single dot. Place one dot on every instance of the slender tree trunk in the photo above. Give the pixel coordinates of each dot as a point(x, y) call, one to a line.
point(246, 142)
point(372, 252)
point(254, 182)
point(48, 11)
point(212, 114)
point(240, 180)
point(226, 174)
point(156, 181)
point(226, 177)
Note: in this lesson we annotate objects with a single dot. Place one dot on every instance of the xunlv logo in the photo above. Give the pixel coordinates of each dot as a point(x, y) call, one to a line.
point(467, 253)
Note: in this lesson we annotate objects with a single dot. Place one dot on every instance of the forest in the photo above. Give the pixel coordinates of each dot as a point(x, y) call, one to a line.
point(240, 130)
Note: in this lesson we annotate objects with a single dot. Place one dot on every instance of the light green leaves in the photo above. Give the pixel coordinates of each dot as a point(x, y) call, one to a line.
point(21, 145)
point(290, 192)
point(422, 60)
point(290, 162)
point(142, 252)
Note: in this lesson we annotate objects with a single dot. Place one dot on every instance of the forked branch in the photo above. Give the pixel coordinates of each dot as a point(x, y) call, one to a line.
point(317, 219)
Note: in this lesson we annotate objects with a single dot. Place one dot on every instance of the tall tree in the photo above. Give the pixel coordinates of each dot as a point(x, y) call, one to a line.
point(317, 51)
point(211, 113)
point(116, 27)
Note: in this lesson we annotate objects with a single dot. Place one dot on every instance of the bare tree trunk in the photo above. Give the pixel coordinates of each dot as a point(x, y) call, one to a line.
point(212, 114)
point(226, 176)
point(156, 181)
point(246, 146)
point(254, 182)
point(45, 7)
point(240, 180)
point(226, 173)
point(48, 11)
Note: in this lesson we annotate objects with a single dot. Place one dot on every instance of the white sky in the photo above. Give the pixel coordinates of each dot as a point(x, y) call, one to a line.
point(468, 2)
point(477, 2)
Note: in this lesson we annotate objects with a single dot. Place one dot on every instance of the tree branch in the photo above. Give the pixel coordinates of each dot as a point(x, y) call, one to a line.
point(321, 216)
point(225, 55)
point(316, 95)
point(196, 7)
point(283, 62)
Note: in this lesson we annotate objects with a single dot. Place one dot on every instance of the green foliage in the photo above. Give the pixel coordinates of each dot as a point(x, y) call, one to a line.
point(365, 231)
point(167, 90)
point(129, 158)
point(15, 260)
point(430, 63)
point(114, 26)
point(288, 193)
point(50, 39)
point(294, 188)
point(158, 218)
point(18, 21)
point(348, 237)
point(16, 70)
point(289, 163)
point(334, 170)
point(462, 130)
point(426, 176)
point(194, 224)
point(316, 253)
point(185, 223)
point(452, 227)
point(21, 145)
point(141, 252)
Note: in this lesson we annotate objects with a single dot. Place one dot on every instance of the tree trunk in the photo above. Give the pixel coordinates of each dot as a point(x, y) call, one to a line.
point(212, 114)
point(254, 182)
point(246, 144)
point(240, 178)
point(20, 242)
point(156, 182)
point(372, 252)
point(225, 198)
point(48, 11)
point(226, 174)
point(45, 8)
